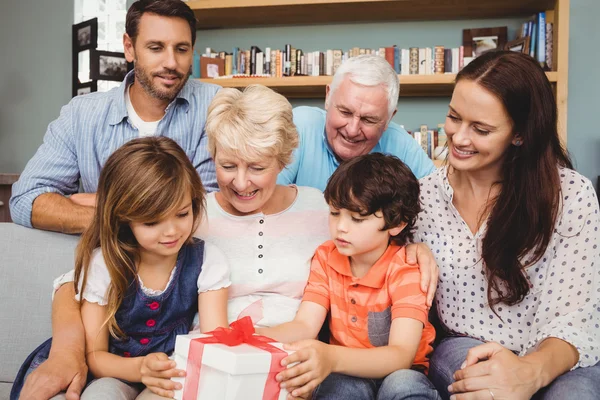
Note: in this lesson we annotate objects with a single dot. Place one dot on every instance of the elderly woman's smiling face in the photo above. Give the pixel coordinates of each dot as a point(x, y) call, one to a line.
point(246, 186)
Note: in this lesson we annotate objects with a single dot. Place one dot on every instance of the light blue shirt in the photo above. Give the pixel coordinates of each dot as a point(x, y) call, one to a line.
point(314, 160)
point(91, 127)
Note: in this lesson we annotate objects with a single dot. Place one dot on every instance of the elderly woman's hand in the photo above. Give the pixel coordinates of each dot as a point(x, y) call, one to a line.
point(419, 253)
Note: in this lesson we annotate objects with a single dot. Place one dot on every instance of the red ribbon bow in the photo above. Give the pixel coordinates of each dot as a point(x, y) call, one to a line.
point(240, 331)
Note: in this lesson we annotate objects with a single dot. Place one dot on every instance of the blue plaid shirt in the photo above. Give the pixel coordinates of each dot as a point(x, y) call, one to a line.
point(90, 128)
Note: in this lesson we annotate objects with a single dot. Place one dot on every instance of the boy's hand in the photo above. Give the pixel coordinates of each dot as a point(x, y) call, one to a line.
point(315, 363)
point(157, 370)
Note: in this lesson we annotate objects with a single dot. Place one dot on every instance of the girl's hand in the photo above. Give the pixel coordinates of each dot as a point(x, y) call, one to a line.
point(157, 370)
point(315, 363)
point(492, 372)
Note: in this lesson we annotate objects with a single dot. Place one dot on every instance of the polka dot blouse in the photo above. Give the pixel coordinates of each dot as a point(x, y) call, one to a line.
point(565, 283)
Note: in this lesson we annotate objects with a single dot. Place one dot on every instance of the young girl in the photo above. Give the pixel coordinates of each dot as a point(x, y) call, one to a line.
point(139, 274)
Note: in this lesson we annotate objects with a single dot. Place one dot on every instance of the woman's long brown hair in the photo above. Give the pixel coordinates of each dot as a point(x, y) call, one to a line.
point(522, 216)
point(142, 181)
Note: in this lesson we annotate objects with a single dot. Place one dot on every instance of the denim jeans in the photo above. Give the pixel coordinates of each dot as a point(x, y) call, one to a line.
point(402, 384)
point(580, 384)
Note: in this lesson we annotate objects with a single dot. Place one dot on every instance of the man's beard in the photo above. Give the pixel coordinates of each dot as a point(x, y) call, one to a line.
point(145, 80)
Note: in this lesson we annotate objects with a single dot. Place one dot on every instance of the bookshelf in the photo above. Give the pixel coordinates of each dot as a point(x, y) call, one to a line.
point(314, 86)
point(213, 14)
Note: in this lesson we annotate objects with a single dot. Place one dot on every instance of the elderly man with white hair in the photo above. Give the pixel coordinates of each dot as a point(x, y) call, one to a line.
point(359, 105)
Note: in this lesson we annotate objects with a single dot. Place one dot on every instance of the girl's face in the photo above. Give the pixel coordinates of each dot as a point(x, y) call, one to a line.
point(479, 129)
point(164, 237)
point(245, 186)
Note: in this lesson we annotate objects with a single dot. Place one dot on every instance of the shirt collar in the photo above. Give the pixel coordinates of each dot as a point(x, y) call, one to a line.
point(119, 108)
point(375, 277)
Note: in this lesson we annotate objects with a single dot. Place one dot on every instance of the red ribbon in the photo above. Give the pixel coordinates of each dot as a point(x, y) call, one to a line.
point(241, 331)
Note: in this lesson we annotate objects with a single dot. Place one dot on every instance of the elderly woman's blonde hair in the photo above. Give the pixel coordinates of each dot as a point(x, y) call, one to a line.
point(254, 124)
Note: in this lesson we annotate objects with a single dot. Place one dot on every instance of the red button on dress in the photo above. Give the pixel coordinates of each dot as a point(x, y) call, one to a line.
point(144, 340)
point(154, 305)
point(126, 354)
point(150, 323)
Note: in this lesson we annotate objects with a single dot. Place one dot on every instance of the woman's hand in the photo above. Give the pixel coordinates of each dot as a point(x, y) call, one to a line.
point(156, 371)
point(315, 363)
point(419, 253)
point(492, 372)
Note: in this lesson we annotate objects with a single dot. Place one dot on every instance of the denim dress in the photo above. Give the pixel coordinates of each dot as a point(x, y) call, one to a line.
point(150, 323)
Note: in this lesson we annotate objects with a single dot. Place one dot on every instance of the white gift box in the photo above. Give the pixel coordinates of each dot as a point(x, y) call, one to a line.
point(227, 373)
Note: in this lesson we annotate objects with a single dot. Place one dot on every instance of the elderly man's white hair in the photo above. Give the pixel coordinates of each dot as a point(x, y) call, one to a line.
point(369, 70)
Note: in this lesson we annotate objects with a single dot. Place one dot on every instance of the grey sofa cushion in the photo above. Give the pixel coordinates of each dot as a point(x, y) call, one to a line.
point(29, 261)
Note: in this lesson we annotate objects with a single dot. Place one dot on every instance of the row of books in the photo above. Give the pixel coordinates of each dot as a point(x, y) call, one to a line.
point(539, 35)
point(295, 62)
point(432, 141)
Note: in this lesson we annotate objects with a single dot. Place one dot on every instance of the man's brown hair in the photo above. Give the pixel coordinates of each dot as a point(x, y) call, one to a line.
point(165, 8)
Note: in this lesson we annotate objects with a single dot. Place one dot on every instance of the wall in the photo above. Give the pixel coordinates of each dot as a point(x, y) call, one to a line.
point(584, 88)
point(35, 69)
point(35, 74)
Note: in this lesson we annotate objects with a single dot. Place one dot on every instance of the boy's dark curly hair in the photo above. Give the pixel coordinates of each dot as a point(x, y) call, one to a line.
point(373, 182)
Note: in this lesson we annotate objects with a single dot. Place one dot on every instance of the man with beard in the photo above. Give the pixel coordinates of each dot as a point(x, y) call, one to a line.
point(156, 98)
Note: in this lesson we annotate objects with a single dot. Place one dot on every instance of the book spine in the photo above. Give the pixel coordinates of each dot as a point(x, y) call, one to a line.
point(337, 60)
point(414, 61)
point(422, 61)
point(541, 44)
point(253, 60)
point(439, 59)
point(549, 47)
point(448, 60)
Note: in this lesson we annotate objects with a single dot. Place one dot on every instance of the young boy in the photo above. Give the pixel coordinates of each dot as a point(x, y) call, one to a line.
point(360, 281)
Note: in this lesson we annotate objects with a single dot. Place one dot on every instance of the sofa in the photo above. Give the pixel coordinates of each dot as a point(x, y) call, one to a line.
point(29, 261)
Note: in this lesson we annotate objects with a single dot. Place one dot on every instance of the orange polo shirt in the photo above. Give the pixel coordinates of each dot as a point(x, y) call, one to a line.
point(362, 309)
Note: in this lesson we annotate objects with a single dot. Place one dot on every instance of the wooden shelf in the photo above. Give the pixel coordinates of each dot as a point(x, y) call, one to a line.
point(314, 86)
point(243, 13)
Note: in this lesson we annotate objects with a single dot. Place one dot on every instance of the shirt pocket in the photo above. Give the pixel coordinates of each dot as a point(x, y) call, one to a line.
point(378, 325)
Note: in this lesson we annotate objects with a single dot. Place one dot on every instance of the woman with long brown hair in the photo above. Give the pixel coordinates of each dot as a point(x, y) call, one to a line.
point(140, 275)
point(514, 230)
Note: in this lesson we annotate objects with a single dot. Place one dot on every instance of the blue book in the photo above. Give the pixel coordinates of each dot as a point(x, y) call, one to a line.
point(234, 61)
point(397, 59)
point(541, 38)
point(533, 41)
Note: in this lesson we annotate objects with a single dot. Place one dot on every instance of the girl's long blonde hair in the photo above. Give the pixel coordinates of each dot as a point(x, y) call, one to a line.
point(143, 181)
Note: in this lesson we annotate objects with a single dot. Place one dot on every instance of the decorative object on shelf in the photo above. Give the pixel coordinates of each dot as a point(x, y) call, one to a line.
point(84, 39)
point(477, 41)
point(85, 35)
point(212, 67)
point(520, 45)
point(88, 87)
point(108, 66)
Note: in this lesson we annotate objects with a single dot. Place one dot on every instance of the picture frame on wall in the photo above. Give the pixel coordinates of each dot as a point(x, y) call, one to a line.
point(109, 66)
point(86, 88)
point(520, 45)
point(477, 41)
point(85, 35)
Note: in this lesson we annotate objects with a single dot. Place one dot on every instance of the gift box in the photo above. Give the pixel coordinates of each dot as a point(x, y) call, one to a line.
point(229, 364)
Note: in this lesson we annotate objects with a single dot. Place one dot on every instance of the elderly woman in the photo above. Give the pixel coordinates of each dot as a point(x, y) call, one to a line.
point(267, 231)
point(515, 231)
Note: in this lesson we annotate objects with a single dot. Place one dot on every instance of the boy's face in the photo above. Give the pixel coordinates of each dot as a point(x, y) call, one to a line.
point(355, 235)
